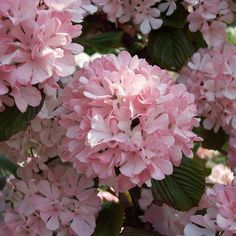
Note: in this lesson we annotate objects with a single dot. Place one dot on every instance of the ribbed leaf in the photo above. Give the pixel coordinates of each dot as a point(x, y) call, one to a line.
point(7, 165)
point(130, 231)
point(169, 48)
point(101, 43)
point(213, 140)
point(12, 120)
point(184, 188)
point(110, 220)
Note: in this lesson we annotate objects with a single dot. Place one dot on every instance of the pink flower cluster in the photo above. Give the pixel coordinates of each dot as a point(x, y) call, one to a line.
point(36, 47)
point(126, 121)
point(143, 13)
point(221, 214)
point(58, 201)
point(211, 76)
point(210, 17)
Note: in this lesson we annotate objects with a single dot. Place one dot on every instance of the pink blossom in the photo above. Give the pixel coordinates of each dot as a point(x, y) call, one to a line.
point(221, 212)
point(126, 121)
point(232, 151)
point(169, 6)
point(142, 13)
point(210, 17)
point(167, 220)
point(55, 200)
point(220, 174)
point(36, 50)
point(210, 77)
point(76, 9)
point(147, 16)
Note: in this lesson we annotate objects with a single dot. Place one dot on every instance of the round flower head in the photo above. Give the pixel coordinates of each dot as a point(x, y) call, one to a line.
point(126, 121)
point(211, 77)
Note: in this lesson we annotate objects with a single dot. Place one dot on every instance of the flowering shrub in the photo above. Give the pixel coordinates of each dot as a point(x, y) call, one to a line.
point(138, 141)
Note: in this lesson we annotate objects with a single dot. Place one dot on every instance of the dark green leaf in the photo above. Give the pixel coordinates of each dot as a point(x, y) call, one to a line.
point(213, 140)
point(184, 188)
point(13, 121)
point(7, 165)
point(130, 231)
point(110, 220)
point(102, 42)
point(170, 48)
point(197, 39)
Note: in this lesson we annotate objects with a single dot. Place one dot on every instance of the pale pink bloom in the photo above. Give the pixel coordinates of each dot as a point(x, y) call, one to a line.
point(210, 76)
point(142, 13)
point(209, 17)
point(76, 9)
point(19, 10)
point(145, 199)
point(36, 50)
point(232, 151)
point(221, 212)
point(55, 200)
point(107, 196)
point(122, 122)
point(25, 96)
point(147, 16)
point(18, 225)
point(167, 220)
point(205, 153)
point(168, 6)
point(220, 174)
point(214, 34)
point(194, 230)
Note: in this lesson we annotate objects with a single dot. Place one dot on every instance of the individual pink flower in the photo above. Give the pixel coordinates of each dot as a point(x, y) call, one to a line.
point(147, 16)
point(168, 6)
point(126, 121)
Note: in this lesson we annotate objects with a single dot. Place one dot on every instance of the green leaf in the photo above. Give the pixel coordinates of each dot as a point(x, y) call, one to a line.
point(102, 43)
point(7, 165)
point(184, 188)
point(170, 48)
point(110, 220)
point(197, 40)
point(13, 121)
point(212, 140)
point(130, 231)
